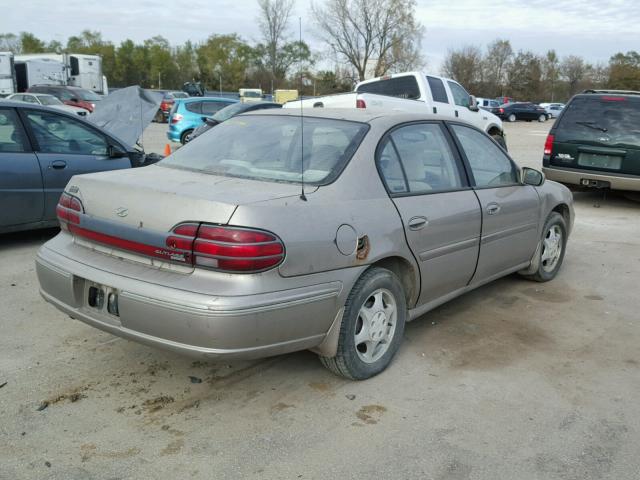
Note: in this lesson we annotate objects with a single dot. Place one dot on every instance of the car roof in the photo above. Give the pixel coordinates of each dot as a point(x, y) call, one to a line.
point(206, 99)
point(609, 92)
point(362, 115)
point(67, 87)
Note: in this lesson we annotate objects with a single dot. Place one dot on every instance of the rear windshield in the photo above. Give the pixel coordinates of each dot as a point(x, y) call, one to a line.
point(401, 87)
point(609, 120)
point(270, 148)
point(86, 95)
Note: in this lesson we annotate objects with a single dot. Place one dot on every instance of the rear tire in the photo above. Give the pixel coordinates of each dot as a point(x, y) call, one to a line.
point(551, 255)
point(512, 117)
point(159, 117)
point(183, 137)
point(372, 326)
point(542, 118)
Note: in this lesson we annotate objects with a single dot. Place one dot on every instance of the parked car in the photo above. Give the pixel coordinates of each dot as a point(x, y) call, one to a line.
point(228, 112)
point(189, 113)
point(489, 105)
point(229, 255)
point(47, 100)
point(41, 148)
point(166, 104)
point(595, 142)
point(522, 111)
point(552, 109)
point(74, 96)
point(412, 92)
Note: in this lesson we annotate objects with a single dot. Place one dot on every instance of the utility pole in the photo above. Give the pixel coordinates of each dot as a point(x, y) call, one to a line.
point(159, 83)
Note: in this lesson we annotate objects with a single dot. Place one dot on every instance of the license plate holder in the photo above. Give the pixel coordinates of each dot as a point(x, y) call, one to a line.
point(595, 160)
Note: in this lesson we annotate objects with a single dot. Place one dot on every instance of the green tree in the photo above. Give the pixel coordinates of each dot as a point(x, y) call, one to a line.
point(624, 71)
point(525, 77)
point(9, 42)
point(29, 43)
point(551, 73)
point(186, 61)
point(465, 66)
point(225, 57)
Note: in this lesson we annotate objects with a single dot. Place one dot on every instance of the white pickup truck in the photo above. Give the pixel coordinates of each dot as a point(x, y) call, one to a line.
point(413, 92)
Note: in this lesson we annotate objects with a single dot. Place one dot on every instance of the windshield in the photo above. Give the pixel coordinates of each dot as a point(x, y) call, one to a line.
point(86, 95)
point(608, 120)
point(269, 148)
point(49, 100)
point(227, 112)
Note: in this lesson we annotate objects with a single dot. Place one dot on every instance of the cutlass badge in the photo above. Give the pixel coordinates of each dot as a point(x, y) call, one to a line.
point(122, 212)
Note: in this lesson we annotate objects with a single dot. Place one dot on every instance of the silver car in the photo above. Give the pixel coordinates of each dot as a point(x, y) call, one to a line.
point(275, 233)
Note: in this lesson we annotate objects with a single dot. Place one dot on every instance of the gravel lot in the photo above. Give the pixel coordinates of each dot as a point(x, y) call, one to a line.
point(516, 380)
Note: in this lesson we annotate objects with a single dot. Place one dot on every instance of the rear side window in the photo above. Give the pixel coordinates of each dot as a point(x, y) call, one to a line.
point(209, 108)
point(417, 159)
point(12, 136)
point(489, 165)
point(608, 119)
point(438, 92)
point(401, 87)
point(195, 107)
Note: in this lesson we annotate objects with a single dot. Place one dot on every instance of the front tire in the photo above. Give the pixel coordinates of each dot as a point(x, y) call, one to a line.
point(372, 326)
point(512, 117)
point(551, 255)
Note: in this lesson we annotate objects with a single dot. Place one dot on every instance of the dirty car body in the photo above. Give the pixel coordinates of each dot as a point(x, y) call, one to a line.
point(215, 252)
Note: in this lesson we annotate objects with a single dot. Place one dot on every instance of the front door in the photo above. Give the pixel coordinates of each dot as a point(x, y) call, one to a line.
point(510, 210)
point(20, 179)
point(440, 213)
point(67, 147)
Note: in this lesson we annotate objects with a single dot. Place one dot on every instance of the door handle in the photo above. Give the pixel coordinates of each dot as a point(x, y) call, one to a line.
point(416, 223)
point(456, 113)
point(493, 208)
point(58, 164)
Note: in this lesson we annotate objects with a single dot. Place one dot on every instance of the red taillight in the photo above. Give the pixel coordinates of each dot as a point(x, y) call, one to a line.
point(176, 117)
point(501, 110)
point(613, 99)
point(360, 103)
point(234, 249)
point(548, 144)
point(68, 210)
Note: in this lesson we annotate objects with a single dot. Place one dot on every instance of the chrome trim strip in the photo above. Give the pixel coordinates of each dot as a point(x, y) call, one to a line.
point(492, 237)
point(447, 249)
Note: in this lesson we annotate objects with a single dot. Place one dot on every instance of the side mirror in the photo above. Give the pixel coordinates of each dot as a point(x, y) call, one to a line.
point(73, 99)
point(473, 104)
point(115, 152)
point(531, 176)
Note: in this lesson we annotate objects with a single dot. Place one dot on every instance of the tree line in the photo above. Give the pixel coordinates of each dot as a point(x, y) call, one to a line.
point(498, 71)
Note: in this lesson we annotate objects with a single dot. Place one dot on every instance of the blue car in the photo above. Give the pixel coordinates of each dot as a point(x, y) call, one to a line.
point(188, 114)
point(41, 148)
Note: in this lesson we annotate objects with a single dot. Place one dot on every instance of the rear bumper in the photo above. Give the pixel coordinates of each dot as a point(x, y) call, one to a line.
point(173, 135)
point(601, 179)
point(195, 324)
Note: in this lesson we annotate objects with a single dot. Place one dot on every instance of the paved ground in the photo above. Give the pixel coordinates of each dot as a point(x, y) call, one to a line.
point(516, 380)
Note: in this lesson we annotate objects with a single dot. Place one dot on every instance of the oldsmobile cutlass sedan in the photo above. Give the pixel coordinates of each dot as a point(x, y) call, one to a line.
point(274, 233)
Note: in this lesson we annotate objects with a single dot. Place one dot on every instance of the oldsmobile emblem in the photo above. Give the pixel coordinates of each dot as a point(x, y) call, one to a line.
point(122, 212)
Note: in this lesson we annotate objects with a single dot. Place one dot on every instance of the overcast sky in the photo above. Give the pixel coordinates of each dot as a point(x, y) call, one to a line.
point(594, 29)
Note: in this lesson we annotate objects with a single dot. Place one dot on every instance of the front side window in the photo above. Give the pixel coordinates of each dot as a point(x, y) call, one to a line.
point(270, 148)
point(12, 137)
point(460, 95)
point(427, 163)
point(489, 165)
point(58, 134)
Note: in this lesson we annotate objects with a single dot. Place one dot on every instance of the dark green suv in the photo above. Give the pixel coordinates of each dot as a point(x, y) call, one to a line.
point(595, 142)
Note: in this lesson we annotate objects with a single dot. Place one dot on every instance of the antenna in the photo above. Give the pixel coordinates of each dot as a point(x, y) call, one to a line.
point(302, 195)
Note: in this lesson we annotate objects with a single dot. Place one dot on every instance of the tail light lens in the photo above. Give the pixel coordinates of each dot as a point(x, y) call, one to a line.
point(360, 103)
point(548, 144)
point(229, 249)
point(68, 210)
point(501, 110)
point(176, 118)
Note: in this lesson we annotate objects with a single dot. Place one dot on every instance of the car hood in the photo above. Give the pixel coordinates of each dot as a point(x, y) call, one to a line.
point(126, 113)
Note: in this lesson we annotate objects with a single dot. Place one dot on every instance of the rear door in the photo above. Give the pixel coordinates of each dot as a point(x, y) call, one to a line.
point(66, 147)
point(440, 213)
point(510, 210)
point(21, 188)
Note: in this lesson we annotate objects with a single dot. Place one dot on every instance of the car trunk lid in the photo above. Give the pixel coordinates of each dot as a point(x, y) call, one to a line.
point(131, 214)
